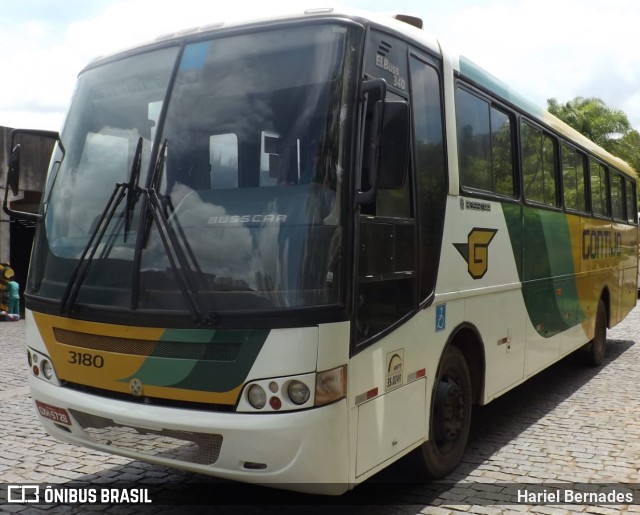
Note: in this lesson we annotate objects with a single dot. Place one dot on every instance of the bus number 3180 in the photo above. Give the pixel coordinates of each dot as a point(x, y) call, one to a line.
point(85, 359)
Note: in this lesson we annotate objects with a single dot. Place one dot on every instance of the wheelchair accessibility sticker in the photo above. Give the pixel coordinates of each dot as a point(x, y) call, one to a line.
point(441, 317)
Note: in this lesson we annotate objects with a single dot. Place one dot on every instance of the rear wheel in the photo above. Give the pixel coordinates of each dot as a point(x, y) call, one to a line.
point(450, 416)
point(593, 352)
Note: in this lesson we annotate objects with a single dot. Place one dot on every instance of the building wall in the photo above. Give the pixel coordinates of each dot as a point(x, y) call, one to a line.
point(16, 237)
point(5, 135)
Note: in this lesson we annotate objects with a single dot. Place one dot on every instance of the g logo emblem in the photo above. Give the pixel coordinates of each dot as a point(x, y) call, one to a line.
point(476, 251)
point(136, 387)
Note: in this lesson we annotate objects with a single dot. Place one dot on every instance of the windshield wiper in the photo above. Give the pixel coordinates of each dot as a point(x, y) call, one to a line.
point(82, 268)
point(177, 252)
point(153, 210)
point(153, 182)
point(132, 191)
point(185, 276)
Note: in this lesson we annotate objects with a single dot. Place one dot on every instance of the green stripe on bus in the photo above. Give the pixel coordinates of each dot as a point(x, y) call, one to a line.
point(208, 371)
point(541, 243)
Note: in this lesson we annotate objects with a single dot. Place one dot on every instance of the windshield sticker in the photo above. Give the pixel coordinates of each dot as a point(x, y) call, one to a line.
point(195, 56)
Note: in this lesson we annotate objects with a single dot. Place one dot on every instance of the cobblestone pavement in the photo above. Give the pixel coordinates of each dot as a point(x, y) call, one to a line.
point(568, 425)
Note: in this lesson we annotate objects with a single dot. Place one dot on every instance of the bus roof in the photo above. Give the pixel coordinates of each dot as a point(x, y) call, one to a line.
point(410, 28)
point(365, 17)
point(484, 79)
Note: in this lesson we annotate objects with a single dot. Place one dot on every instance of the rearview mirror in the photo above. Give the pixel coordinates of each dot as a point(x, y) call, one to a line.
point(28, 160)
point(13, 173)
point(372, 94)
point(386, 151)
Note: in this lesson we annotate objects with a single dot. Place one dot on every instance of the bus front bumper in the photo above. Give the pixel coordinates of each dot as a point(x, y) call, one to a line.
point(304, 451)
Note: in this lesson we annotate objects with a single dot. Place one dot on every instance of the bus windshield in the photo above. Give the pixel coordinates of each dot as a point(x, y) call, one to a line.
point(241, 142)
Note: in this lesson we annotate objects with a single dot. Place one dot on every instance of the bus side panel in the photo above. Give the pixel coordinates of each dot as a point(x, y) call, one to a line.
point(481, 256)
point(569, 263)
point(390, 385)
point(402, 411)
point(501, 320)
point(480, 252)
point(608, 256)
point(628, 292)
point(549, 285)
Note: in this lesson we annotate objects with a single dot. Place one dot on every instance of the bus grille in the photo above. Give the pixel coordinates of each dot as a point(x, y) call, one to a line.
point(186, 446)
point(217, 351)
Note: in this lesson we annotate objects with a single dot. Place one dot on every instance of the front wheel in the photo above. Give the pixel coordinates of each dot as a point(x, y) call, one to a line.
point(450, 416)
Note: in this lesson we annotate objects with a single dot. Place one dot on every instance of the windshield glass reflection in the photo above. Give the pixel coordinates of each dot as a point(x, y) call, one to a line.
point(249, 178)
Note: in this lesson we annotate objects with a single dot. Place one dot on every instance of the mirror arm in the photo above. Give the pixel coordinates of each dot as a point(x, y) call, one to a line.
point(371, 85)
point(18, 215)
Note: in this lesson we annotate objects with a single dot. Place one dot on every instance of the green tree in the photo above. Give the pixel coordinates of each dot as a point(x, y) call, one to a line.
point(627, 148)
point(604, 125)
point(593, 118)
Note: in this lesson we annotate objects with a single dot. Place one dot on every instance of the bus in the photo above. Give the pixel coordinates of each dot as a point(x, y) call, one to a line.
point(294, 250)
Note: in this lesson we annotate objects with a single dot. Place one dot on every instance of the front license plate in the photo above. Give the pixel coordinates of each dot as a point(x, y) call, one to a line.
point(53, 413)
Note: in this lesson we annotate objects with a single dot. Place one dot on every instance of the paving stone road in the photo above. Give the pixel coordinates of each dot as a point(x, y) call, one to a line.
point(570, 426)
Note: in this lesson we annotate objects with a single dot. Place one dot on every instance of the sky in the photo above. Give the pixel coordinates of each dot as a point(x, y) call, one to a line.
point(542, 48)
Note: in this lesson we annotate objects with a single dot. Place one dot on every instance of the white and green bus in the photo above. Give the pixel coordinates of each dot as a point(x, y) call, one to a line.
point(294, 250)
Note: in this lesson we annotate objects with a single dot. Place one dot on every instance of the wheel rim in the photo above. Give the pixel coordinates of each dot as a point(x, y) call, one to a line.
point(449, 411)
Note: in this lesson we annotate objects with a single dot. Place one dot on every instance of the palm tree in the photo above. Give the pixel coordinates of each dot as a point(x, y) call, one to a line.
point(591, 117)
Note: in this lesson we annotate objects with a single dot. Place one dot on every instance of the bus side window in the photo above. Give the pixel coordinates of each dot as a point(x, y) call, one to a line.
point(485, 141)
point(431, 174)
point(573, 168)
point(539, 170)
point(632, 212)
point(617, 197)
point(599, 189)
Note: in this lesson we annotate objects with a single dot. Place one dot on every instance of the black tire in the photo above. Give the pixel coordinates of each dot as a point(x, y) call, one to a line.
point(450, 417)
point(593, 353)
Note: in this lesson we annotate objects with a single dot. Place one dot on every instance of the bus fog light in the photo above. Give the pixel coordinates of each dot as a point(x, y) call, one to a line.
point(331, 385)
point(298, 392)
point(257, 396)
point(47, 369)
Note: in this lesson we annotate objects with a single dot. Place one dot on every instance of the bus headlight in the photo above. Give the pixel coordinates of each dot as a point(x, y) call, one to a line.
point(41, 366)
point(299, 392)
point(257, 396)
point(294, 393)
point(47, 369)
